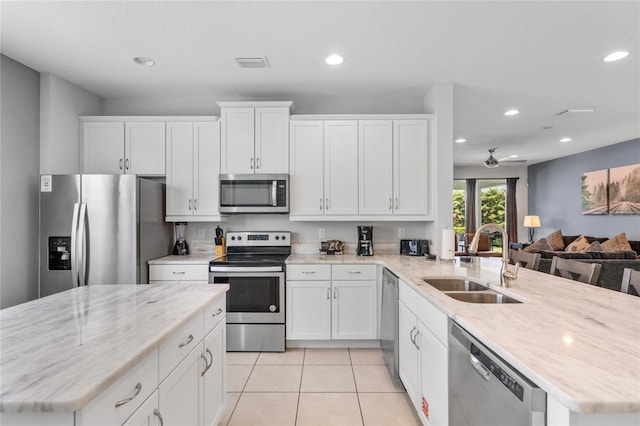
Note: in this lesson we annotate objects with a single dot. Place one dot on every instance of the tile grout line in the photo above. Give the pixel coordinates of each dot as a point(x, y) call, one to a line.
point(304, 354)
point(353, 373)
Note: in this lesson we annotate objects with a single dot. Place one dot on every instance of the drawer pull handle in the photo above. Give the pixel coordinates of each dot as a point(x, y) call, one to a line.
point(178, 273)
point(216, 313)
point(136, 391)
point(355, 272)
point(156, 413)
point(189, 340)
point(308, 272)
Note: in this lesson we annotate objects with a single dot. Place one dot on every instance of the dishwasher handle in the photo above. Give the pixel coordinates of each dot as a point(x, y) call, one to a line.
point(480, 369)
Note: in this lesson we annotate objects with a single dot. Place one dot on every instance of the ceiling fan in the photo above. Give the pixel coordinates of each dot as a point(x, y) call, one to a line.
point(492, 162)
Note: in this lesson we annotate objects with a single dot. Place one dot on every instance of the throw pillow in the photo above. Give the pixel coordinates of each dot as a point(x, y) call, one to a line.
point(578, 245)
point(593, 247)
point(617, 243)
point(539, 245)
point(555, 240)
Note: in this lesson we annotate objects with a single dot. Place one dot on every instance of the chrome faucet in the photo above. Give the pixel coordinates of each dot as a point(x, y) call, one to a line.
point(505, 274)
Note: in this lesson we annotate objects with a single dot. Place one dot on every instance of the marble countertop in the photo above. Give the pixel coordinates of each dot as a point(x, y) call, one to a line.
point(59, 352)
point(579, 343)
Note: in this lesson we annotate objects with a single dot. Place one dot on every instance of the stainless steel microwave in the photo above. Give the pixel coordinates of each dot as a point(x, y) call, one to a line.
point(241, 193)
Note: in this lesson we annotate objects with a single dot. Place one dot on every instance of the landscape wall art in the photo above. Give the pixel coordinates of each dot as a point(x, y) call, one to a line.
point(595, 189)
point(613, 191)
point(624, 190)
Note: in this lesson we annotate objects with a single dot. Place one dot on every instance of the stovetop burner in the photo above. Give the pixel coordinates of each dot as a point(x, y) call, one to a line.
point(255, 249)
point(248, 259)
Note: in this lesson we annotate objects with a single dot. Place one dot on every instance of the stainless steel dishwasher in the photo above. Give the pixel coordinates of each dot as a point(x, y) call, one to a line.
point(389, 323)
point(485, 390)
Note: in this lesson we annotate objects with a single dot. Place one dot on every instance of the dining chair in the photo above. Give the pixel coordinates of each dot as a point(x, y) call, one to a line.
point(630, 278)
point(584, 272)
point(525, 259)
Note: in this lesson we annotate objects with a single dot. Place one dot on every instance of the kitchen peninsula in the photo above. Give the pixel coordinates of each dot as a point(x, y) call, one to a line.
point(103, 354)
point(579, 343)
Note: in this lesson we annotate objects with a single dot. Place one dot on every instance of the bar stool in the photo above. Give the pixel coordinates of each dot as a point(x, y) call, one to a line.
point(587, 272)
point(630, 276)
point(525, 259)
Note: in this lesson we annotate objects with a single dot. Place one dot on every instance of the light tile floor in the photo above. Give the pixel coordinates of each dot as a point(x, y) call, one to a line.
point(343, 387)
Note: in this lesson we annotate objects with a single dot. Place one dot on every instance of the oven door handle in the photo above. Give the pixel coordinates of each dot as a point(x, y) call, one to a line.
point(246, 269)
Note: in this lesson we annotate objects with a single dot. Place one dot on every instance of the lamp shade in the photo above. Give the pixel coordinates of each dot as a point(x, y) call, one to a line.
point(531, 222)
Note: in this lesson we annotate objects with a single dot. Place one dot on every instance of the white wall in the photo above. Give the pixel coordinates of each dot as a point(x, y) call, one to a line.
point(439, 101)
point(19, 152)
point(502, 172)
point(60, 105)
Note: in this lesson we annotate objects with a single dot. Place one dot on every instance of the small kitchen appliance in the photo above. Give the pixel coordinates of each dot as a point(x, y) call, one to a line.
point(254, 193)
point(365, 241)
point(181, 247)
point(254, 270)
point(414, 247)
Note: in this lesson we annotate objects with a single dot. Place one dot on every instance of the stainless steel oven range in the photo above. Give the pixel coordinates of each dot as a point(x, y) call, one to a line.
point(254, 268)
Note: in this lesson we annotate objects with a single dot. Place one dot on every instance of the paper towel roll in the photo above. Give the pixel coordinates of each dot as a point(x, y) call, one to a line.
point(448, 244)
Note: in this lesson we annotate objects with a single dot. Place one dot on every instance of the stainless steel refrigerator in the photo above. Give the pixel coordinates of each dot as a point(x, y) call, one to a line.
point(99, 229)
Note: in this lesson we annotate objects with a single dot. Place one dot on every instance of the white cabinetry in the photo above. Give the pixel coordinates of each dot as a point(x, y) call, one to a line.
point(193, 166)
point(423, 357)
point(371, 168)
point(117, 147)
point(178, 273)
point(148, 413)
point(255, 137)
point(327, 302)
point(323, 171)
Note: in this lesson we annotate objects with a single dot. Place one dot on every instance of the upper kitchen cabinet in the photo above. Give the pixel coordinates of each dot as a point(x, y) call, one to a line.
point(324, 169)
point(119, 145)
point(193, 166)
point(361, 167)
point(255, 137)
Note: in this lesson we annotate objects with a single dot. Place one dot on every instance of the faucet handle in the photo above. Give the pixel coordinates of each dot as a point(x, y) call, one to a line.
point(511, 275)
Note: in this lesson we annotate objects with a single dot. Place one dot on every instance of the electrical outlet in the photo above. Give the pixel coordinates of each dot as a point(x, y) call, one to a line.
point(400, 232)
point(322, 233)
point(201, 233)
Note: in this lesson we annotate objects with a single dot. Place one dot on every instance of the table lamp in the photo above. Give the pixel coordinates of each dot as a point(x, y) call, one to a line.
point(531, 222)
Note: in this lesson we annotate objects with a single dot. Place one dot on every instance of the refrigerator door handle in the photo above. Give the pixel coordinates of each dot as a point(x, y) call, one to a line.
point(82, 250)
point(74, 252)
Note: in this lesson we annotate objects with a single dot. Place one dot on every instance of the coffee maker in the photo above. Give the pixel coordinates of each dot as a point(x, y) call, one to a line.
point(181, 247)
point(365, 241)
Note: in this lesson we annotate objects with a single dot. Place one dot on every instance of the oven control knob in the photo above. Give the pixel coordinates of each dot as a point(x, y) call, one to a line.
point(273, 308)
point(283, 238)
point(277, 238)
point(233, 238)
point(239, 237)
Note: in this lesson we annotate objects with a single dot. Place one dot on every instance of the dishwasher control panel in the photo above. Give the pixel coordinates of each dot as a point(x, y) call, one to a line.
point(506, 379)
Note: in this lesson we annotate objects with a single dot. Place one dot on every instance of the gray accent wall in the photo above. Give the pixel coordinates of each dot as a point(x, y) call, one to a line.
point(555, 193)
point(19, 179)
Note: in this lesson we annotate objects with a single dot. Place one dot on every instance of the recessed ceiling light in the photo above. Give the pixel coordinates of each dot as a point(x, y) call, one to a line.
point(565, 140)
point(511, 112)
point(145, 62)
point(616, 56)
point(334, 59)
point(513, 156)
point(461, 140)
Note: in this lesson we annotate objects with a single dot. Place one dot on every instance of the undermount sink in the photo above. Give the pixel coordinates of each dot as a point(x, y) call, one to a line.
point(454, 284)
point(484, 297)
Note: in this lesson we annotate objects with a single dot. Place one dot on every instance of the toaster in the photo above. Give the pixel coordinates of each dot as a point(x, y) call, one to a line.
point(414, 247)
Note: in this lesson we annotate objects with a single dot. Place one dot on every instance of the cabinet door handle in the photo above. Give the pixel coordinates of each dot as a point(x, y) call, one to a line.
point(210, 358)
point(185, 343)
point(120, 164)
point(195, 204)
point(415, 339)
point(136, 391)
point(251, 163)
point(390, 204)
point(328, 293)
point(156, 413)
point(189, 203)
point(326, 203)
point(335, 292)
point(206, 365)
point(257, 163)
point(216, 313)
point(126, 164)
point(320, 203)
point(396, 203)
point(411, 336)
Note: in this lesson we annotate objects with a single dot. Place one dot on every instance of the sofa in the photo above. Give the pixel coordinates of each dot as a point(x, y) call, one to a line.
point(613, 263)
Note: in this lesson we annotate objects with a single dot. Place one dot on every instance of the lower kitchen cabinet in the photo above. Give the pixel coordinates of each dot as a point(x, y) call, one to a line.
point(148, 413)
point(173, 274)
point(213, 384)
point(179, 396)
point(423, 358)
point(323, 309)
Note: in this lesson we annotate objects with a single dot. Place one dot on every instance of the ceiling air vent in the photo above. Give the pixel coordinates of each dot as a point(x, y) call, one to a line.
point(252, 61)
